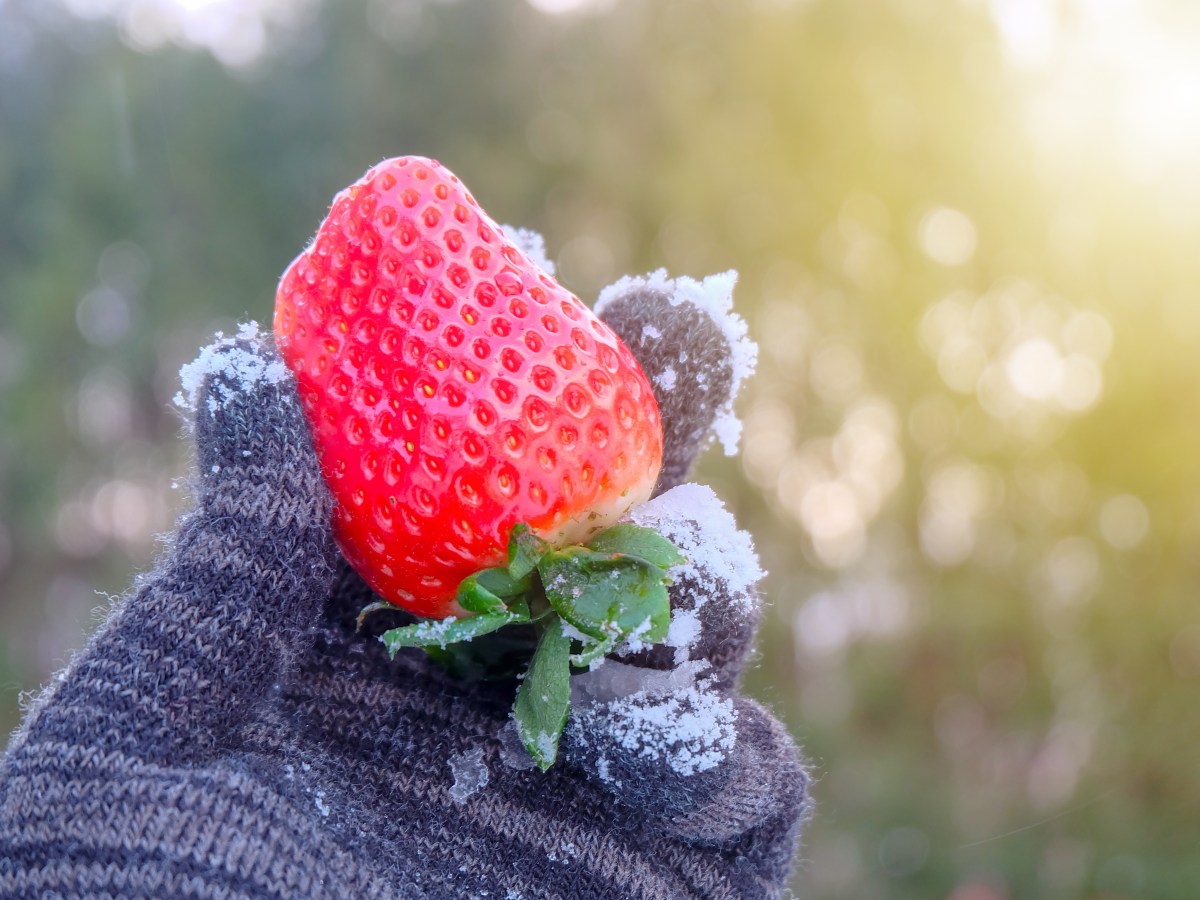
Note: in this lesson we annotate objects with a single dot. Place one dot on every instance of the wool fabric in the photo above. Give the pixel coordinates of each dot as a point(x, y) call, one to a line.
point(227, 732)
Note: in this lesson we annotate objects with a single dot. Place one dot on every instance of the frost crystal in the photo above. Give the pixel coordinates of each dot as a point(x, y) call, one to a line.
point(633, 641)
point(470, 774)
point(237, 366)
point(322, 806)
point(666, 379)
point(574, 633)
point(682, 633)
point(546, 744)
point(714, 297)
point(698, 523)
point(531, 244)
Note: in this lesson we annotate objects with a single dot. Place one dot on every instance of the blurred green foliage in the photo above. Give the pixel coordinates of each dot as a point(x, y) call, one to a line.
point(971, 458)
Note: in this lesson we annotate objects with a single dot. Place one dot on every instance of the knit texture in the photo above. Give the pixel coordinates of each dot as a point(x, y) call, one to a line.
point(661, 331)
point(227, 733)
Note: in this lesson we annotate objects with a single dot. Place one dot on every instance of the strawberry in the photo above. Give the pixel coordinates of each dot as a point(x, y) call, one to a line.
point(476, 424)
point(454, 389)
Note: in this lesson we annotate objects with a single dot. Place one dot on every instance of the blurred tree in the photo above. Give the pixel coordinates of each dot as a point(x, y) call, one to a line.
point(970, 460)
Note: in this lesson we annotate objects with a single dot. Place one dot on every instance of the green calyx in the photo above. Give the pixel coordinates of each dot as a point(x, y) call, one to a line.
point(579, 602)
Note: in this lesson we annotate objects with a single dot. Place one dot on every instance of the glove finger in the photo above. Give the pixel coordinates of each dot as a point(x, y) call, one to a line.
point(182, 659)
point(694, 350)
point(712, 767)
point(715, 606)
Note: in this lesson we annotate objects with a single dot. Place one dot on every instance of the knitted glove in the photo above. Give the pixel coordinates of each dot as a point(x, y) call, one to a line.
point(228, 733)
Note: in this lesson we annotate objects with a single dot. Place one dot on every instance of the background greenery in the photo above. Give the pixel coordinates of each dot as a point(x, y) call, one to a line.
point(967, 238)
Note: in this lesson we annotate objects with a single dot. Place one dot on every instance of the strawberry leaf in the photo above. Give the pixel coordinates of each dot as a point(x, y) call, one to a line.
point(605, 595)
point(519, 611)
point(645, 608)
point(487, 591)
point(592, 652)
point(544, 696)
point(474, 597)
point(634, 540)
point(501, 582)
point(525, 551)
point(440, 632)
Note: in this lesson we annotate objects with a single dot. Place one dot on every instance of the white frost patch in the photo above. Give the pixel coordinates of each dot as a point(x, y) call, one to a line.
point(649, 331)
point(433, 631)
point(713, 296)
point(512, 750)
point(546, 745)
point(683, 633)
point(574, 633)
point(322, 806)
point(241, 369)
point(565, 852)
point(695, 519)
point(666, 379)
point(633, 642)
point(670, 716)
point(470, 774)
point(531, 244)
point(602, 769)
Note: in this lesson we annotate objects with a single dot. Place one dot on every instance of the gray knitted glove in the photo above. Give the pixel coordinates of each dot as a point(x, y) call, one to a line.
point(227, 733)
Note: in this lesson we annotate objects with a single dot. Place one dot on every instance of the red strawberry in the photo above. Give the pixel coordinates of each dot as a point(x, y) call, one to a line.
point(454, 389)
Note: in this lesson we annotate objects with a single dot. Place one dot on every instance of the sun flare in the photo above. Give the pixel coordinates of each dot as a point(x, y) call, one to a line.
point(1113, 78)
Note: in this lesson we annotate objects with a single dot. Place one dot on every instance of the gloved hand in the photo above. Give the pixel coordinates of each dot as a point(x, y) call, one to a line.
point(227, 732)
